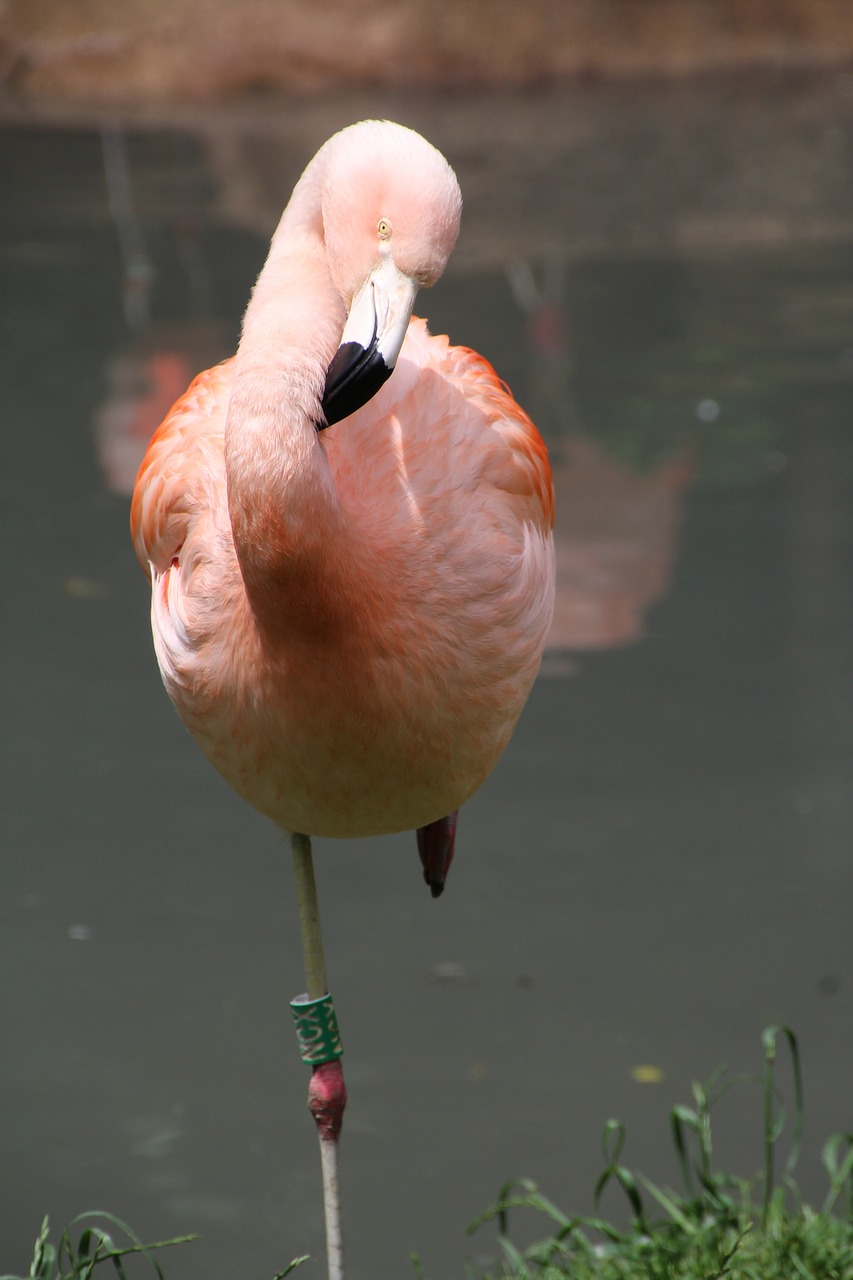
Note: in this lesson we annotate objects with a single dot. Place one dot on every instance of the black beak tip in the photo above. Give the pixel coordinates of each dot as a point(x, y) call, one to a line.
point(354, 376)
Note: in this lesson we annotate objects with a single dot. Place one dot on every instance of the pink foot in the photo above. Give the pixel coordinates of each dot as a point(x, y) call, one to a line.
point(327, 1098)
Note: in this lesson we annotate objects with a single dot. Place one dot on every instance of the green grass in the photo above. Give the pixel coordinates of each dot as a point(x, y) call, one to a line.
point(716, 1226)
point(91, 1240)
point(98, 1239)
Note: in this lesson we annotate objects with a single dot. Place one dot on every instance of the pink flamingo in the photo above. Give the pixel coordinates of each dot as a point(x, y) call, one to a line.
point(349, 621)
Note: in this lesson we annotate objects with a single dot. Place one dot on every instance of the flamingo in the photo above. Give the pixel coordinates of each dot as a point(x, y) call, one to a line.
point(352, 573)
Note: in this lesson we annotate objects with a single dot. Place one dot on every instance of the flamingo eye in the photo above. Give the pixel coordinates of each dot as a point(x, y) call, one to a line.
point(383, 228)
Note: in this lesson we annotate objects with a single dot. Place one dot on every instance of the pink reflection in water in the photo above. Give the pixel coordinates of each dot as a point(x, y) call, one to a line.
point(143, 381)
point(616, 536)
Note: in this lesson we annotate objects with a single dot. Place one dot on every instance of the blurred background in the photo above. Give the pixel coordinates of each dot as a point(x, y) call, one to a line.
point(657, 255)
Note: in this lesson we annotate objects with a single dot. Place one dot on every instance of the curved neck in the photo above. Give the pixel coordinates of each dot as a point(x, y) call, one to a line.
point(286, 521)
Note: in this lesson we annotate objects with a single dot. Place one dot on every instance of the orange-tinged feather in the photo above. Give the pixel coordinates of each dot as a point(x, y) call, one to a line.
point(349, 623)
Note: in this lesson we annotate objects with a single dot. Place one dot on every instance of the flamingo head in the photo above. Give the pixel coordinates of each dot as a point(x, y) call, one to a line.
point(391, 208)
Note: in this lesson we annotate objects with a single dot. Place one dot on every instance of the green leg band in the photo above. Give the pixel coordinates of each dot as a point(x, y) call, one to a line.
point(316, 1029)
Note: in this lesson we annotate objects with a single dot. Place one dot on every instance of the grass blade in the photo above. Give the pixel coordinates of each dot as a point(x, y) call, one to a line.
point(772, 1122)
point(840, 1175)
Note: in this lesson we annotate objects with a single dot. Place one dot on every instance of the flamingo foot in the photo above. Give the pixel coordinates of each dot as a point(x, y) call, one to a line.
point(435, 845)
point(327, 1098)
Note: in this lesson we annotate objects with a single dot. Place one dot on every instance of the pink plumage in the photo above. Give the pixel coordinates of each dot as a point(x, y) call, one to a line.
point(349, 620)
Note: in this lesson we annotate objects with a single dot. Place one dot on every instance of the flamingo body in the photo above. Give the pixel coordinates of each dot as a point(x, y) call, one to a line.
point(349, 621)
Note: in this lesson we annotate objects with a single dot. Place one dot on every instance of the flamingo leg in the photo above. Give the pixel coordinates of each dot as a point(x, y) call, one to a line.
point(309, 916)
point(327, 1092)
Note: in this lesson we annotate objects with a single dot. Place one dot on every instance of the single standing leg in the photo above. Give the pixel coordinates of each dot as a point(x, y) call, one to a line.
point(320, 1046)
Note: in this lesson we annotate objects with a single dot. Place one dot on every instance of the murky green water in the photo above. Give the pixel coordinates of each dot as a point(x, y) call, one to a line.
point(659, 867)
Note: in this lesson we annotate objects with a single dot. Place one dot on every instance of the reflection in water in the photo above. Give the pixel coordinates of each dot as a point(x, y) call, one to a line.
point(616, 525)
point(149, 373)
point(542, 298)
point(616, 533)
point(143, 381)
point(138, 270)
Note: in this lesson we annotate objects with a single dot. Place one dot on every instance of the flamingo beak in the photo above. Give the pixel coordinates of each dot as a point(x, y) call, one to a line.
point(371, 340)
